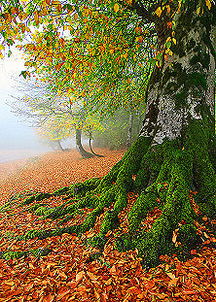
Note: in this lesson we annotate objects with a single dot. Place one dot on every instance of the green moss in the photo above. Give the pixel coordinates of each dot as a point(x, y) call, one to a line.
point(40, 252)
point(65, 209)
point(28, 200)
point(156, 242)
point(89, 221)
point(124, 180)
point(42, 196)
point(204, 172)
point(188, 237)
point(208, 207)
point(121, 201)
point(17, 254)
point(42, 234)
point(124, 243)
point(42, 210)
point(68, 217)
point(80, 189)
point(149, 168)
point(37, 197)
point(97, 241)
point(176, 208)
point(12, 255)
point(61, 191)
point(144, 203)
point(142, 178)
point(110, 222)
point(34, 207)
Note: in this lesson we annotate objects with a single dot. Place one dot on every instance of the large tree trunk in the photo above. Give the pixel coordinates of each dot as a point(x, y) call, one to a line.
point(180, 124)
point(79, 145)
point(173, 156)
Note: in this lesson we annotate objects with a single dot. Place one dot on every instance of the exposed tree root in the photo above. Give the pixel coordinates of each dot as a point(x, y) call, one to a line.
point(163, 176)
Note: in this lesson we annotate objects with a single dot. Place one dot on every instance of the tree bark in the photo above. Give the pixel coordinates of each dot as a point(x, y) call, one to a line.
point(91, 148)
point(79, 145)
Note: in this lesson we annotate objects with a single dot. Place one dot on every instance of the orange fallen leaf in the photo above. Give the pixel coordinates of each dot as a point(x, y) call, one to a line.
point(92, 276)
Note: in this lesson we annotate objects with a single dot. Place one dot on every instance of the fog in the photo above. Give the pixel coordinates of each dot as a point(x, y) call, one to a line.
point(17, 139)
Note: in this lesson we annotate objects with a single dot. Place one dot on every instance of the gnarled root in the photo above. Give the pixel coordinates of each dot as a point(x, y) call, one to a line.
point(165, 177)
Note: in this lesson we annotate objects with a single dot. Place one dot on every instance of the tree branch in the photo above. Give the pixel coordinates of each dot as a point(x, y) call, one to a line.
point(141, 10)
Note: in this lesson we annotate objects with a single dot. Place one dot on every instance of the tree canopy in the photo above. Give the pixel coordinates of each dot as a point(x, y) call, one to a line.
point(103, 50)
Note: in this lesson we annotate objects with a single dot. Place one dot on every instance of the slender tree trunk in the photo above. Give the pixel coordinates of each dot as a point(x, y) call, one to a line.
point(130, 128)
point(91, 148)
point(79, 145)
point(59, 145)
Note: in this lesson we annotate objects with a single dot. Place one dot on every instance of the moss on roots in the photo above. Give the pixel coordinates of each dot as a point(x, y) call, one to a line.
point(163, 176)
point(40, 252)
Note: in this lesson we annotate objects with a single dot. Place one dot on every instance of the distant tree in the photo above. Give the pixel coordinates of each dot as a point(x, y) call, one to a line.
point(57, 117)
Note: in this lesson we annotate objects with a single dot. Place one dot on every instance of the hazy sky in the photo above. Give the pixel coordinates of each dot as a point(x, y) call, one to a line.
point(14, 133)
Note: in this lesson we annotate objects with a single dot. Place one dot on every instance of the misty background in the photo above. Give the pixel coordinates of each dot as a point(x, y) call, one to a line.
point(17, 139)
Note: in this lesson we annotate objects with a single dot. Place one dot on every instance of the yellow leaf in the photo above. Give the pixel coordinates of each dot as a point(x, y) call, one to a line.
point(172, 276)
point(208, 4)
point(28, 64)
point(168, 8)
point(116, 7)
point(158, 11)
point(174, 40)
point(36, 17)
point(199, 11)
point(79, 276)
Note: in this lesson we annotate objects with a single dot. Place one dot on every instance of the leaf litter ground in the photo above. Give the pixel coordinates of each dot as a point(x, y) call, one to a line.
point(69, 272)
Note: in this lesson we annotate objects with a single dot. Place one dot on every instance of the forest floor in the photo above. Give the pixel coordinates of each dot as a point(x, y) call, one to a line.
point(68, 273)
